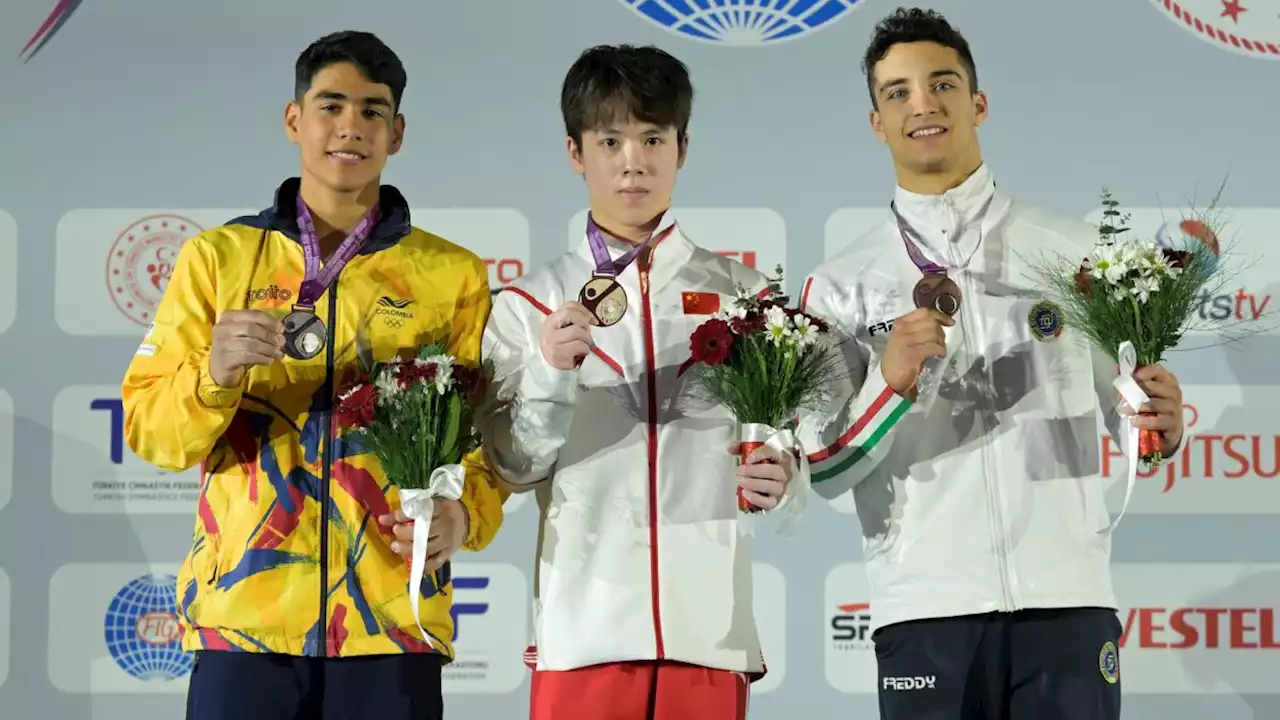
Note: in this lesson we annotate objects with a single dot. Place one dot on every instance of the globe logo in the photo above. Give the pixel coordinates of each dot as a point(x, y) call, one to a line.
point(143, 633)
point(742, 23)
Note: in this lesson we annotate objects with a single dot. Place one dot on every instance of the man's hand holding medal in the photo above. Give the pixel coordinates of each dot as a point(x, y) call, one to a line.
point(565, 337)
point(916, 337)
point(242, 339)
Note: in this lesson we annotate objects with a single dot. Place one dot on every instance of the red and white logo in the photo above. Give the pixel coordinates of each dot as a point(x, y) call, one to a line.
point(141, 261)
point(1244, 27)
point(1228, 461)
point(1198, 628)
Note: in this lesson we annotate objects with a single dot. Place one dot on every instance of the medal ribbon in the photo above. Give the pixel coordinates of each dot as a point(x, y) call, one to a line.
point(608, 267)
point(316, 280)
point(924, 264)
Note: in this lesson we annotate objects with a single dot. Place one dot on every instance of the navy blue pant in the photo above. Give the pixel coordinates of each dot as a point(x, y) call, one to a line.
point(256, 686)
point(1025, 665)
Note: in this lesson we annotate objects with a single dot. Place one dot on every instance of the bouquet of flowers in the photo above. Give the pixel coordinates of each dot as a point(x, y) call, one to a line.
point(416, 416)
point(764, 362)
point(1135, 300)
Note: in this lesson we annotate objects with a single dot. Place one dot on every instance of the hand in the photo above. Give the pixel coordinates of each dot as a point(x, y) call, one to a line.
point(449, 528)
point(916, 337)
point(1165, 402)
point(242, 339)
point(764, 476)
point(565, 337)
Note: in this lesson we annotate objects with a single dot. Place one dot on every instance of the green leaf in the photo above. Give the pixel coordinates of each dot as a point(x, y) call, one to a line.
point(453, 422)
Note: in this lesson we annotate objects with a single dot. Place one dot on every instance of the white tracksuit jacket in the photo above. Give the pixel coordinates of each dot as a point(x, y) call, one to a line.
point(638, 552)
point(992, 499)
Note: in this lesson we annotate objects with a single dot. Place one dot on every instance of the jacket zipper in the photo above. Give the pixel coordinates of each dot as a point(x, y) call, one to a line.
point(326, 451)
point(989, 470)
point(650, 361)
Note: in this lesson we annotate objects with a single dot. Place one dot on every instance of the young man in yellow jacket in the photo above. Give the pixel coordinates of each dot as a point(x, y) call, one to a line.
point(292, 594)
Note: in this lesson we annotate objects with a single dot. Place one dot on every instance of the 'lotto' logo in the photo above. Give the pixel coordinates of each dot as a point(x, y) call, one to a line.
point(746, 257)
point(503, 271)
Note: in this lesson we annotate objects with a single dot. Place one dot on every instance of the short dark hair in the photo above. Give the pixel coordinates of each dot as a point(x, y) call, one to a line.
point(915, 25)
point(370, 55)
point(609, 83)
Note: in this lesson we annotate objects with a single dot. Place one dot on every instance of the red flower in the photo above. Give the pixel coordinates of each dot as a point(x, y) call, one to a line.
point(1176, 258)
point(469, 380)
point(753, 322)
point(356, 409)
point(711, 342)
point(410, 372)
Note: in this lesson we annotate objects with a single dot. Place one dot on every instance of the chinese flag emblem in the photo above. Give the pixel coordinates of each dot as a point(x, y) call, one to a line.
point(701, 303)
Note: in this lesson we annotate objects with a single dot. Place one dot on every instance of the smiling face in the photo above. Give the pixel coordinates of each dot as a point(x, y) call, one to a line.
point(927, 112)
point(630, 171)
point(345, 127)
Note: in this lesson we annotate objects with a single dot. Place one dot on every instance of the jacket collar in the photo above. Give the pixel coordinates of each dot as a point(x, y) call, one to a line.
point(282, 216)
point(942, 226)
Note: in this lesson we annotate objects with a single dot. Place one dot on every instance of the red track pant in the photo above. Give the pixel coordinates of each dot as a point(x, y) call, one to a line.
point(639, 691)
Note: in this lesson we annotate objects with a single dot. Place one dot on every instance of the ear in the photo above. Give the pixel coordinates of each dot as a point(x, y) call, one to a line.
point(292, 114)
point(575, 156)
point(877, 125)
point(980, 105)
point(397, 134)
point(684, 151)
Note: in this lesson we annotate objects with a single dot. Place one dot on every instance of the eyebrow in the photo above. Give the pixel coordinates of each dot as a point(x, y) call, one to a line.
point(616, 131)
point(372, 100)
point(933, 75)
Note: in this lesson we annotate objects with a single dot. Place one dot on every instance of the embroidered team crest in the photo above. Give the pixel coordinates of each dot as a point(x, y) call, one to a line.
point(1109, 662)
point(1045, 320)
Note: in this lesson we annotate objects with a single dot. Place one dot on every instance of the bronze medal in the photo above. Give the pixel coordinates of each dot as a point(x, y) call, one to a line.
point(605, 299)
point(937, 292)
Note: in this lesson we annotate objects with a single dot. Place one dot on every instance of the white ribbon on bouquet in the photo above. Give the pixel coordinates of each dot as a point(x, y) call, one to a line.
point(1135, 398)
point(796, 495)
point(418, 505)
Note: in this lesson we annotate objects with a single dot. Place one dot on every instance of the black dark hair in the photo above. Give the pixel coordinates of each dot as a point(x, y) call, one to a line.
point(610, 83)
point(915, 25)
point(370, 55)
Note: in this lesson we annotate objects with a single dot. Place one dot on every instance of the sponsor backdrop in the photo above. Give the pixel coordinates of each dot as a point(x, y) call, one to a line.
point(132, 126)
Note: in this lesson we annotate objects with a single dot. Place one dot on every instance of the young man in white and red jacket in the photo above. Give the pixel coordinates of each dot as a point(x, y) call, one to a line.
point(643, 586)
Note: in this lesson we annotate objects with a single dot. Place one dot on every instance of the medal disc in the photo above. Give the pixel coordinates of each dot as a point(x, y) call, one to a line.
point(605, 299)
point(304, 335)
point(937, 292)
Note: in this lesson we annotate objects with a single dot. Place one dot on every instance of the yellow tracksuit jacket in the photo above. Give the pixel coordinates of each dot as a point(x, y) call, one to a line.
point(287, 555)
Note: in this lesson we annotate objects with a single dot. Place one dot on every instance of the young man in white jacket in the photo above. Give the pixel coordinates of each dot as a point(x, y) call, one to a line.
point(986, 535)
point(643, 586)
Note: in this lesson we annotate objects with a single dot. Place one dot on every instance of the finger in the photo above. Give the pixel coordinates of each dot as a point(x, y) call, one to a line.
point(1159, 421)
point(762, 486)
point(246, 358)
point(402, 548)
point(387, 520)
point(253, 330)
point(577, 314)
point(255, 346)
point(734, 447)
point(761, 501)
point(400, 516)
point(574, 350)
point(763, 454)
point(1158, 388)
point(920, 353)
point(765, 472)
point(571, 333)
point(1154, 373)
point(436, 561)
point(403, 531)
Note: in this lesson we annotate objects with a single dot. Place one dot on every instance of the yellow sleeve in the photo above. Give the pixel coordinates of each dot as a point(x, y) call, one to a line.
point(481, 495)
point(173, 411)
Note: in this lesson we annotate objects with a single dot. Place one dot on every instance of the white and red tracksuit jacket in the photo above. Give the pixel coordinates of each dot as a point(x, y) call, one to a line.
point(639, 556)
point(991, 499)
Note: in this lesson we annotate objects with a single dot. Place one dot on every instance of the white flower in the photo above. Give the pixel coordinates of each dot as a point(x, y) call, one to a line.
point(388, 387)
point(776, 325)
point(444, 371)
point(805, 333)
point(1144, 287)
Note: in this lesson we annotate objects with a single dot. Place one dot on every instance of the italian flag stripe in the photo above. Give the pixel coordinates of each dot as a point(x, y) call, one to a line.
point(858, 442)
